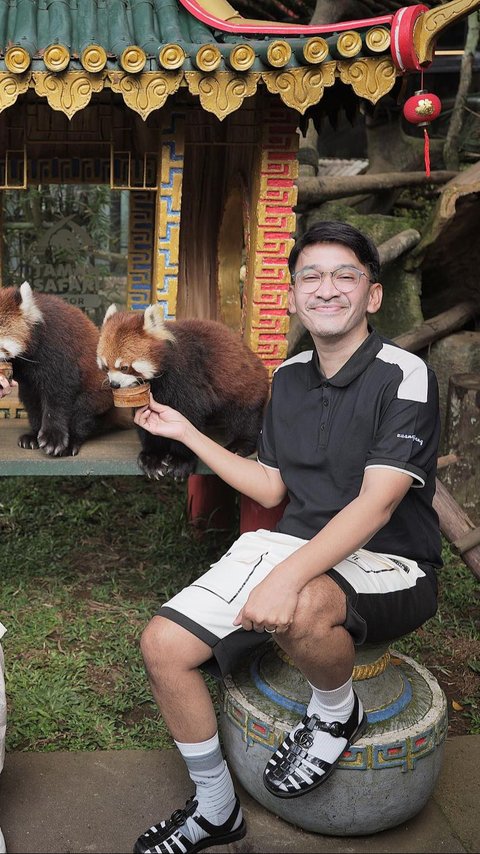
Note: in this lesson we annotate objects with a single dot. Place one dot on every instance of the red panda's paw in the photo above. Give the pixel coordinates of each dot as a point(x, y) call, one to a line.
point(180, 469)
point(54, 442)
point(153, 467)
point(28, 441)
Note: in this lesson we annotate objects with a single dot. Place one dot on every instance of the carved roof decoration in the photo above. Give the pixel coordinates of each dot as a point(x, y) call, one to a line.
point(147, 49)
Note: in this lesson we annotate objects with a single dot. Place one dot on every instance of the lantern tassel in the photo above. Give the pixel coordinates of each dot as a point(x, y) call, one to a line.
point(426, 151)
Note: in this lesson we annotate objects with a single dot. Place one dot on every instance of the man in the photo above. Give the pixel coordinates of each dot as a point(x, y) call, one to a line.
point(351, 435)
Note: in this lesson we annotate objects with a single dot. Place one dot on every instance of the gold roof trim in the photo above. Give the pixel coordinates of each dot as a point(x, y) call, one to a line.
point(56, 57)
point(349, 43)
point(300, 88)
point(208, 57)
point(17, 59)
point(279, 53)
point(315, 50)
point(220, 92)
point(171, 57)
point(378, 39)
point(93, 58)
point(133, 59)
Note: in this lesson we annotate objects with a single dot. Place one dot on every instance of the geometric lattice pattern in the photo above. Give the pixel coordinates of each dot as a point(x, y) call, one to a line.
point(169, 197)
point(404, 753)
point(140, 251)
point(271, 237)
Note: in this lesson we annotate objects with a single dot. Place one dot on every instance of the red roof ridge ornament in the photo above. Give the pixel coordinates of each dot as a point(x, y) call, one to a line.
point(220, 15)
point(415, 30)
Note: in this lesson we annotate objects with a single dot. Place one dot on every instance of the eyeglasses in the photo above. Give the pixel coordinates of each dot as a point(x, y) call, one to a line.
point(344, 279)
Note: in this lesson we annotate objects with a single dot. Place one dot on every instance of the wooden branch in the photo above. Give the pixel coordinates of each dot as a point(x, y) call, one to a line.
point(312, 191)
point(436, 327)
point(455, 524)
point(398, 245)
point(447, 460)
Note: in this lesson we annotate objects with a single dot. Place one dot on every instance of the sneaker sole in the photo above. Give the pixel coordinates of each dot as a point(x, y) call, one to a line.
point(209, 841)
point(298, 793)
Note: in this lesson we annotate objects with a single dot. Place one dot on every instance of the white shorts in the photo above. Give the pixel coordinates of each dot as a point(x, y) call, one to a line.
point(387, 596)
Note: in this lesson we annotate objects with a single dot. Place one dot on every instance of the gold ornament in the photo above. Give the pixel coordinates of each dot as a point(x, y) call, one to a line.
point(425, 107)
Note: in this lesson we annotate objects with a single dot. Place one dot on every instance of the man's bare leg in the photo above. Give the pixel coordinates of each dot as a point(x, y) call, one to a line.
point(172, 656)
point(324, 652)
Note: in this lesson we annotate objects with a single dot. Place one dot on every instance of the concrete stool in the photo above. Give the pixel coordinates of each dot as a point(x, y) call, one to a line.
point(382, 780)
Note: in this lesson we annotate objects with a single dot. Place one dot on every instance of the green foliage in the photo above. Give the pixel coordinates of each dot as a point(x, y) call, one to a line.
point(85, 564)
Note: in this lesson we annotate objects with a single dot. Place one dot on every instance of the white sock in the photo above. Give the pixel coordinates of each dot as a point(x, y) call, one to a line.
point(336, 705)
point(333, 705)
point(214, 786)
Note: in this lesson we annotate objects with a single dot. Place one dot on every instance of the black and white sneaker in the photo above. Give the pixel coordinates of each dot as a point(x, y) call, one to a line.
point(295, 769)
point(168, 836)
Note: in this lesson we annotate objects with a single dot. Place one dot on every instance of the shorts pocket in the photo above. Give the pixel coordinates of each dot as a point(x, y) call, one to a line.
point(237, 572)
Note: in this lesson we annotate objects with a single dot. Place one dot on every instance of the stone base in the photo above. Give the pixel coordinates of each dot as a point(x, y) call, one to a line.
point(382, 781)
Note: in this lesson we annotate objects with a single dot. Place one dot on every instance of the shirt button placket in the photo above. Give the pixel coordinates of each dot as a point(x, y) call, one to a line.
point(323, 430)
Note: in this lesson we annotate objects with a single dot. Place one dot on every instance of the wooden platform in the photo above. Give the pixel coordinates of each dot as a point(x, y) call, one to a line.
point(113, 454)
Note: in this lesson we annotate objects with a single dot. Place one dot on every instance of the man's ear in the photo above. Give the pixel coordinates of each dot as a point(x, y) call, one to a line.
point(375, 298)
point(292, 308)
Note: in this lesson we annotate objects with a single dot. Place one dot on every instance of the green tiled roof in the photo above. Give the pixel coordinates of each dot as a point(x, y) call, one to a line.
point(128, 35)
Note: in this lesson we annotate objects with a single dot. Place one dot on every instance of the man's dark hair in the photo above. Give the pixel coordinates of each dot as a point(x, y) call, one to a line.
point(333, 231)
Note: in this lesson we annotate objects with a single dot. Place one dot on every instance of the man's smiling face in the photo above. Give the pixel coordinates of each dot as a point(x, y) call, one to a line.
point(327, 313)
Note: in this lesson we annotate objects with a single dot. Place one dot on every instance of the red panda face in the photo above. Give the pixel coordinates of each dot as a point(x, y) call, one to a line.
point(18, 313)
point(127, 351)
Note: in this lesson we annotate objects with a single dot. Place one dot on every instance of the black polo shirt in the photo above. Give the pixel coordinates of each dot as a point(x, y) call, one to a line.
point(380, 410)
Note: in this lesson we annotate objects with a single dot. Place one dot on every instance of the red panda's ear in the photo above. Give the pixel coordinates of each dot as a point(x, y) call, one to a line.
point(112, 309)
point(27, 304)
point(154, 324)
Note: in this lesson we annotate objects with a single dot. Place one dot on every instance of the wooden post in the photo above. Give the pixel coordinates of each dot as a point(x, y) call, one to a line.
point(462, 432)
point(458, 528)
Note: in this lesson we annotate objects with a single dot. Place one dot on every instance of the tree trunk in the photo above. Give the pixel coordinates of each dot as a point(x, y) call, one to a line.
point(314, 191)
point(451, 154)
point(463, 439)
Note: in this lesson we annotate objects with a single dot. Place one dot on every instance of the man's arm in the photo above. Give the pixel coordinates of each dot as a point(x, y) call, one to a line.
point(250, 477)
point(273, 602)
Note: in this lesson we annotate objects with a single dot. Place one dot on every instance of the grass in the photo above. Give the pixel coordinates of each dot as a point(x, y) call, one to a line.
point(86, 562)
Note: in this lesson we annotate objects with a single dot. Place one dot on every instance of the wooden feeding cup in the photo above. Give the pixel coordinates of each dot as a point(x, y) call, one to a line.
point(133, 395)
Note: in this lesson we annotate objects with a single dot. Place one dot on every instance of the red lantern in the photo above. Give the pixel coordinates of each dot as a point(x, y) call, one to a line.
point(421, 109)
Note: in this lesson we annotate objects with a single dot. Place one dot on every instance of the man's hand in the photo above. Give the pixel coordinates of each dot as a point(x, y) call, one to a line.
point(270, 605)
point(6, 386)
point(162, 421)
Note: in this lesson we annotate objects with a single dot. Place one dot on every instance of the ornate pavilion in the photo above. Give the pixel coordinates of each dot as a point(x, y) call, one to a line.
point(194, 110)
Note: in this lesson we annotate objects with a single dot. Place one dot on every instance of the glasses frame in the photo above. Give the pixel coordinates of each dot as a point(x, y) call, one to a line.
point(330, 273)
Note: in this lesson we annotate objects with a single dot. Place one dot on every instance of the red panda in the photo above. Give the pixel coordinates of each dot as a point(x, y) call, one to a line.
point(52, 347)
point(199, 367)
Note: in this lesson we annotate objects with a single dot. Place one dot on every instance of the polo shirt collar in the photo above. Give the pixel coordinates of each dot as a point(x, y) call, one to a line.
point(358, 361)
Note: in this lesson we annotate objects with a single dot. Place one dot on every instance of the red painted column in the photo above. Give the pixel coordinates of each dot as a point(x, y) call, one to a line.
point(211, 502)
point(254, 516)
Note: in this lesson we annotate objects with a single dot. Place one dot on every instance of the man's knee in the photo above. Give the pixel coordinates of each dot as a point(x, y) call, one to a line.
point(167, 646)
point(158, 643)
point(321, 606)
